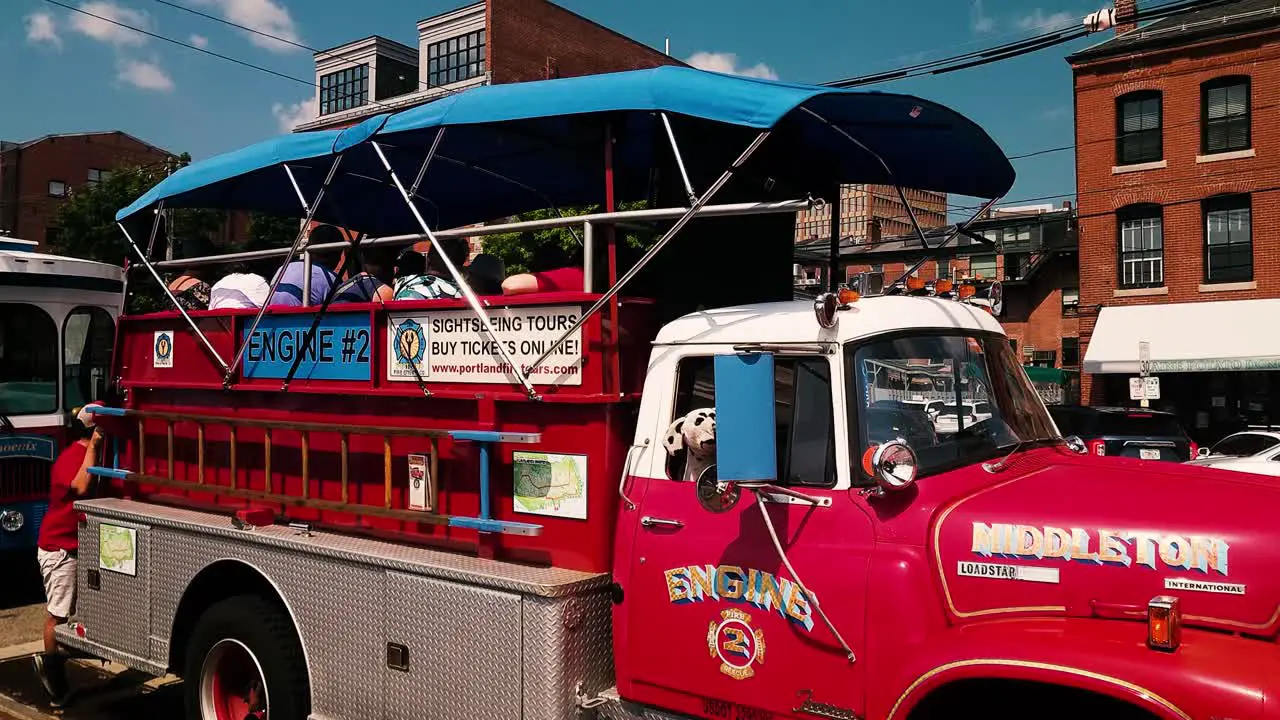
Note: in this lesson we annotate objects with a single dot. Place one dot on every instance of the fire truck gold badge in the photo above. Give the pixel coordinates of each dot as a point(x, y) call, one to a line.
point(736, 644)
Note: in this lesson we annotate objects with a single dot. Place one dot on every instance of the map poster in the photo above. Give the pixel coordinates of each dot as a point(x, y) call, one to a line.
point(551, 484)
point(118, 549)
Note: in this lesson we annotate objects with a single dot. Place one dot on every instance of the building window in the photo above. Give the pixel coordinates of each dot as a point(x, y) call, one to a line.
point(1042, 358)
point(1228, 239)
point(456, 59)
point(57, 189)
point(944, 270)
point(1141, 246)
point(1070, 352)
point(983, 267)
point(1138, 131)
point(1016, 265)
point(1224, 115)
point(344, 89)
point(1070, 302)
point(95, 175)
point(395, 78)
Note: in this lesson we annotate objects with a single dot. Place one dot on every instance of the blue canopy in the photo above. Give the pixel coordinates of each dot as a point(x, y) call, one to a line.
point(512, 148)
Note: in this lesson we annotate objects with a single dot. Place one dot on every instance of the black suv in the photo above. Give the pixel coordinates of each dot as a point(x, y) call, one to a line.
point(1126, 432)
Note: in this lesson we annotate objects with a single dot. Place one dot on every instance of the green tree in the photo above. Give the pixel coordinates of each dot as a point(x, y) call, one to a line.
point(517, 249)
point(87, 220)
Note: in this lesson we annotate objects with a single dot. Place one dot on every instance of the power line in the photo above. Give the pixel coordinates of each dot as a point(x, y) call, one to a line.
point(189, 46)
point(287, 41)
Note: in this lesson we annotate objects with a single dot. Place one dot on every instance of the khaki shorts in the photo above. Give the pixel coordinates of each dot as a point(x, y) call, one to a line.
point(58, 567)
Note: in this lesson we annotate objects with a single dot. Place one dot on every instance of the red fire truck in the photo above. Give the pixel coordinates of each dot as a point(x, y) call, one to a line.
point(57, 326)
point(695, 499)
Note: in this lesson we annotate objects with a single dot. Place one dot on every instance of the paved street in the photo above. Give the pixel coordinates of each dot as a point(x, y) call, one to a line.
point(102, 691)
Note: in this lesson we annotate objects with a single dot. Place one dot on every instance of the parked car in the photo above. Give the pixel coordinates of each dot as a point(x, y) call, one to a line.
point(1126, 432)
point(1252, 451)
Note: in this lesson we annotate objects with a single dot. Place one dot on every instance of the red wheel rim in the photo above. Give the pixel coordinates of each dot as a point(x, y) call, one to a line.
point(231, 683)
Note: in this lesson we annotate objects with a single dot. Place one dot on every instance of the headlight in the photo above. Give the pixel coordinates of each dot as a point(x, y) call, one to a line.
point(11, 520)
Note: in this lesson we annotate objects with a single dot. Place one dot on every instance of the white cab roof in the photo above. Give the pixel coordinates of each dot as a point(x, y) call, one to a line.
point(794, 321)
point(20, 261)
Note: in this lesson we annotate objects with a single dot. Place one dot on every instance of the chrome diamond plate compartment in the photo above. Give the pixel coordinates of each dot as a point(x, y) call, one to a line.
point(388, 630)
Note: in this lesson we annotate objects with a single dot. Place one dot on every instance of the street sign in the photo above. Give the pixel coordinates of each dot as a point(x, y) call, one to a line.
point(1144, 359)
point(1144, 388)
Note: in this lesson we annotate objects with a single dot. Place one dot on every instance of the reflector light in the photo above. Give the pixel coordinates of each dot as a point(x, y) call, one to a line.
point(942, 286)
point(915, 283)
point(1164, 623)
point(967, 291)
point(847, 296)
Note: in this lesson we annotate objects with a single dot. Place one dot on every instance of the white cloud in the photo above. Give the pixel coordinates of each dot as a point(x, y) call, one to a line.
point(42, 28)
point(1037, 20)
point(144, 75)
point(1054, 113)
point(728, 63)
point(199, 41)
point(267, 16)
point(979, 21)
point(294, 114)
point(109, 32)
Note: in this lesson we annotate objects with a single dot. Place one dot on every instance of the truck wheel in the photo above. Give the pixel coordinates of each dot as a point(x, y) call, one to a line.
point(244, 662)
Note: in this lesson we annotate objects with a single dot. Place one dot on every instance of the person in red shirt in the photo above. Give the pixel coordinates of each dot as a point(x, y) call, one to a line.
point(551, 270)
point(58, 544)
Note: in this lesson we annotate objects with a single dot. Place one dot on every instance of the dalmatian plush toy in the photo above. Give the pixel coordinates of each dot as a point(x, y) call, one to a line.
point(695, 434)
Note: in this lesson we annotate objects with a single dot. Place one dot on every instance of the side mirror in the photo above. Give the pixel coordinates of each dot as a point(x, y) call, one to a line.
point(1202, 452)
point(894, 467)
point(715, 495)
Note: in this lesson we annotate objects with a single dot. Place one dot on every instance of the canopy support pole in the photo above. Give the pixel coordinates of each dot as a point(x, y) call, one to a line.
point(657, 246)
point(950, 236)
point(435, 144)
point(470, 295)
point(675, 148)
point(293, 250)
point(165, 287)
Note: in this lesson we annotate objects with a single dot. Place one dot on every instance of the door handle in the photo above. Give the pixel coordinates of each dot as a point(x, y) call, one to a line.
point(650, 521)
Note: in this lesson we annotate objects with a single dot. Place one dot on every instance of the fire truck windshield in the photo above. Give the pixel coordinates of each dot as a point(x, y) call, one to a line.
point(955, 399)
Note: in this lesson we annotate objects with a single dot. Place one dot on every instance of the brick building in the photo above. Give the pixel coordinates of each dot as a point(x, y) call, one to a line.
point(867, 214)
point(486, 43)
point(1178, 173)
point(36, 177)
point(1030, 250)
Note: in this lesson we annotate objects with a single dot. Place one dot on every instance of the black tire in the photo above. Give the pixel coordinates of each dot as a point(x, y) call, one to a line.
point(268, 633)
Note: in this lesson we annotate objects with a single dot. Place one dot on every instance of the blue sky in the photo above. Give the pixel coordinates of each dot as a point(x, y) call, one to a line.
point(67, 72)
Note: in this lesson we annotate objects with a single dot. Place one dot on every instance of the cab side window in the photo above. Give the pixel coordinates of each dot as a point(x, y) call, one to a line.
point(803, 412)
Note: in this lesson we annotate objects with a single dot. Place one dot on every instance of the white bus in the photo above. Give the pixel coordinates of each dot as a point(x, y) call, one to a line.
point(57, 325)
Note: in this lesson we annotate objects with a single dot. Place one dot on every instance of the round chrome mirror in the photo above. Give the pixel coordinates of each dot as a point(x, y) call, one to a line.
point(996, 296)
point(1075, 444)
point(716, 496)
point(895, 466)
point(824, 309)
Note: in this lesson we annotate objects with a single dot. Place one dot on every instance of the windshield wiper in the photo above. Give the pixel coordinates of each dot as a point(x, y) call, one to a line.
point(6, 425)
point(1004, 461)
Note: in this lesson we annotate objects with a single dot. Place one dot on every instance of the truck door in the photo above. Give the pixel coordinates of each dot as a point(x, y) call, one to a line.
point(717, 626)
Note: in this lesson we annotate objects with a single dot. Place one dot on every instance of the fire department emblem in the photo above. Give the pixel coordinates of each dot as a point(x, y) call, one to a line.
point(163, 350)
point(736, 644)
point(411, 343)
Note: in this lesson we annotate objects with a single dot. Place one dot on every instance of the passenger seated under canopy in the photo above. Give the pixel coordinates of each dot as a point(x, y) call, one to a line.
point(373, 283)
point(427, 278)
point(552, 269)
point(289, 292)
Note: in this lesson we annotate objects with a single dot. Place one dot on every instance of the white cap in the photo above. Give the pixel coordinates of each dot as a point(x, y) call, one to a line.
point(85, 417)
